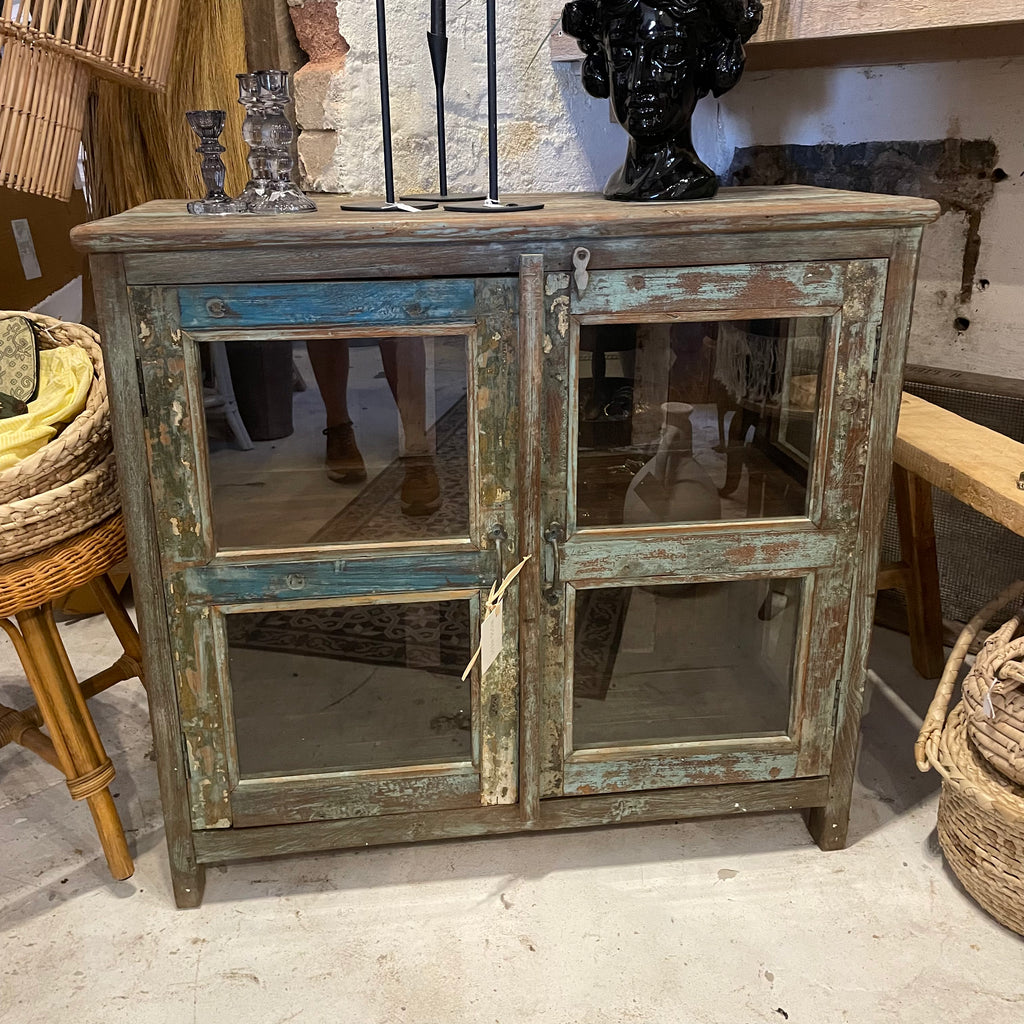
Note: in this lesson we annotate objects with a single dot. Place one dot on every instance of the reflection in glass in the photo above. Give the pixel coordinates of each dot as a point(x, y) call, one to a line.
point(373, 686)
point(353, 440)
point(696, 422)
point(684, 662)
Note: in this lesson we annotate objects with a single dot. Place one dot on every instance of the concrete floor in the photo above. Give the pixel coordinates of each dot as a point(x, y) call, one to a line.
point(739, 921)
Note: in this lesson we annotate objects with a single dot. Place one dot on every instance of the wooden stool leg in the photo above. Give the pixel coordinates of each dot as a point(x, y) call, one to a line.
point(917, 541)
point(110, 601)
point(82, 757)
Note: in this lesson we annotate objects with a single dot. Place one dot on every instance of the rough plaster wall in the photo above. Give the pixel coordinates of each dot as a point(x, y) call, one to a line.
point(556, 138)
point(553, 137)
point(976, 99)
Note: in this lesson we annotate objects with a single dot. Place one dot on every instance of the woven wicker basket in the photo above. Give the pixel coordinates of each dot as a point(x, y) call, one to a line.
point(981, 825)
point(31, 524)
point(993, 695)
point(981, 811)
point(83, 443)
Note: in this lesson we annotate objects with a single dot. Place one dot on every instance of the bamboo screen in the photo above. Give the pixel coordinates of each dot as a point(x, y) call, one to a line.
point(43, 97)
point(116, 38)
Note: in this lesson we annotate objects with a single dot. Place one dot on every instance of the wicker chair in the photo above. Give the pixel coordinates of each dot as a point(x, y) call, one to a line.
point(28, 588)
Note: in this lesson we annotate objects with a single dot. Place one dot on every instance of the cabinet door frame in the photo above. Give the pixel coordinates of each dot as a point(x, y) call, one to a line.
point(202, 584)
point(820, 546)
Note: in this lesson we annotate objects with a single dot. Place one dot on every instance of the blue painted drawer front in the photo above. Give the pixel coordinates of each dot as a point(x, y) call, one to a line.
point(327, 303)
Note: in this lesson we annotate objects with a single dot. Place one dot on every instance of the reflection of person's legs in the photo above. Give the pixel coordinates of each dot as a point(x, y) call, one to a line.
point(405, 366)
point(330, 361)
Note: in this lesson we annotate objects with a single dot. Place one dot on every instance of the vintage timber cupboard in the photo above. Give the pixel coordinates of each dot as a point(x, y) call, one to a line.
point(688, 426)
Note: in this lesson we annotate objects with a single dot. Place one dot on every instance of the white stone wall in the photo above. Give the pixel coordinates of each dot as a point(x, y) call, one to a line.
point(553, 137)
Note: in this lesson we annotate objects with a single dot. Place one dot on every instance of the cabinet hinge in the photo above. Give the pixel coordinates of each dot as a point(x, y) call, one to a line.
point(836, 703)
point(142, 387)
point(877, 355)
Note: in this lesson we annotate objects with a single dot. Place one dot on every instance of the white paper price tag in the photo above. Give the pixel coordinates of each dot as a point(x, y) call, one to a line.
point(491, 638)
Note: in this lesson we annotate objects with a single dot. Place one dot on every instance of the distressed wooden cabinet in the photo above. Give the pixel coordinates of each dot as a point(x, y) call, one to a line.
point(688, 427)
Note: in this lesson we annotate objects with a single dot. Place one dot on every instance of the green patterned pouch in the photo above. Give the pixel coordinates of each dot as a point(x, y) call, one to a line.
point(19, 365)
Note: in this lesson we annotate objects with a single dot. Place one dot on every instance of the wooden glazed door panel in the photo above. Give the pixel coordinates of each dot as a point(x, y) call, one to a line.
point(386, 628)
point(696, 594)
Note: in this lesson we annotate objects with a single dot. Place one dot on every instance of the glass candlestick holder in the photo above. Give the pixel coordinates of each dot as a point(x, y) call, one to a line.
point(209, 126)
point(269, 133)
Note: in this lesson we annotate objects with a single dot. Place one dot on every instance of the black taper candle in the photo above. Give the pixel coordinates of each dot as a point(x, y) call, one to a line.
point(492, 100)
point(385, 103)
point(438, 18)
point(437, 43)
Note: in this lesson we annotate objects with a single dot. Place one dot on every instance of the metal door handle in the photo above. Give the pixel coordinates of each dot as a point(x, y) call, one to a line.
point(499, 536)
point(553, 536)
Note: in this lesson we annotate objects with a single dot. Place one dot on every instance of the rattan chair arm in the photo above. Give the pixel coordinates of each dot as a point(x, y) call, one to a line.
point(926, 749)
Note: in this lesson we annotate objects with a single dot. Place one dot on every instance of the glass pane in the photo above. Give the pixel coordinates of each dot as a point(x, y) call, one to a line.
point(684, 662)
point(393, 465)
point(697, 422)
point(373, 686)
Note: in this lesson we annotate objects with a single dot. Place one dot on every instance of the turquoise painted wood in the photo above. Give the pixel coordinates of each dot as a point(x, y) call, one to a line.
point(748, 254)
point(819, 546)
point(317, 579)
point(329, 304)
point(765, 285)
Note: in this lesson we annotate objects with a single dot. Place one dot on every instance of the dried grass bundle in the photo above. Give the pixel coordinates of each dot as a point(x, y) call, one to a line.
point(139, 146)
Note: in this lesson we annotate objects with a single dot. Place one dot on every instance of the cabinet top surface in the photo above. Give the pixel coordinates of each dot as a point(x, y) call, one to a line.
point(165, 225)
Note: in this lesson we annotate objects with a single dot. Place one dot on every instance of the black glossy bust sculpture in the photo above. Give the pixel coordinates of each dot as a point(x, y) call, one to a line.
point(656, 59)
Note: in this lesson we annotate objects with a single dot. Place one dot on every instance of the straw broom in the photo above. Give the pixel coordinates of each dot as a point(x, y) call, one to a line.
point(139, 146)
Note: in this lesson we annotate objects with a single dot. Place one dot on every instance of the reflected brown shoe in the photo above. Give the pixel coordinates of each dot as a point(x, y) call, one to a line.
point(344, 462)
point(421, 492)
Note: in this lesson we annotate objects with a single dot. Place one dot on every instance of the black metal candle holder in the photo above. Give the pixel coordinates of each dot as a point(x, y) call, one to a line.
point(390, 204)
point(492, 204)
point(437, 44)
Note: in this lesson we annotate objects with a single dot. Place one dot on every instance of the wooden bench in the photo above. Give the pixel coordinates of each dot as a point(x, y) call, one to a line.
point(976, 465)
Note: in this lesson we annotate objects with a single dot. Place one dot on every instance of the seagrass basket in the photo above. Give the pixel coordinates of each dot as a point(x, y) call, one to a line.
point(84, 443)
point(122, 39)
point(36, 522)
point(993, 695)
point(981, 811)
point(43, 96)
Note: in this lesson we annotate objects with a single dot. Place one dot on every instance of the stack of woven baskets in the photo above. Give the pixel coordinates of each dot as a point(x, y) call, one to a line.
point(70, 484)
point(979, 752)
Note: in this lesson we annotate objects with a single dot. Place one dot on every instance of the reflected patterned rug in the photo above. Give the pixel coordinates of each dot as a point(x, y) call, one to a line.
point(431, 636)
point(375, 514)
point(600, 616)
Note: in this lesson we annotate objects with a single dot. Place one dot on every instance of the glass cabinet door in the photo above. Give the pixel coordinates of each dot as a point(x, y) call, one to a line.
point(333, 474)
point(700, 498)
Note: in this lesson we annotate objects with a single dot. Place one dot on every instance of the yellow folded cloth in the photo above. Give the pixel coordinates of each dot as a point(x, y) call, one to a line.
point(65, 376)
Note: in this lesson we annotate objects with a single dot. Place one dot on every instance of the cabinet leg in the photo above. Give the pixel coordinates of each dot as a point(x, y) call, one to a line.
point(829, 825)
point(188, 878)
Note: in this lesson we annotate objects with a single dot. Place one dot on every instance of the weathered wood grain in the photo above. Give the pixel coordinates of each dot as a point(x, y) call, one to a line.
point(327, 797)
point(384, 303)
point(464, 258)
point(742, 286)
point(777, 252)
point(556, 618)
point(696, 556)
point(531, 356)
point(118, 332)
point(627, 770)
point(804, 19)
point(829, 823)
point(215, 847)
point(164, 225)
point(978, 466)
point(494, 447)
